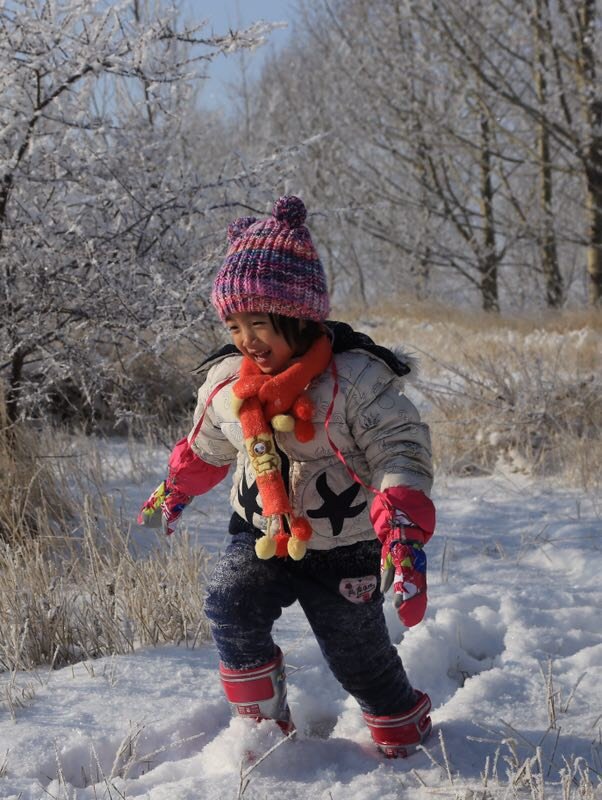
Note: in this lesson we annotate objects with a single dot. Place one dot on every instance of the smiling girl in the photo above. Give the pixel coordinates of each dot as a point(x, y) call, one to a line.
point(331, 484)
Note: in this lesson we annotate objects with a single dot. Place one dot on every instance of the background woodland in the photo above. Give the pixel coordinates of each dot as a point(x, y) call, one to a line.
point(448, 152)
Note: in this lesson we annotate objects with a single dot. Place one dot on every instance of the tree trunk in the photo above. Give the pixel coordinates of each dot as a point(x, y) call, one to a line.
point(4, 196)
point(14, 387)
point(488, 263)
point(594, 211)
point(547, 238)
point(593, 152)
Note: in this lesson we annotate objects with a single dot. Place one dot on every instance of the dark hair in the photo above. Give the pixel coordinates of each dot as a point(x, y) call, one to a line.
point(300, 334)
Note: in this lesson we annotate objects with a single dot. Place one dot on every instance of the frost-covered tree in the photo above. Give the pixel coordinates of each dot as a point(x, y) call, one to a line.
point(110, 177)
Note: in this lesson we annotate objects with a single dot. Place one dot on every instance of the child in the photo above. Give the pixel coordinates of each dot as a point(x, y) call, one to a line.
point(328, 452)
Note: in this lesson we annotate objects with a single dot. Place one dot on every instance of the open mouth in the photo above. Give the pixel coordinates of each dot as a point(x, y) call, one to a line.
point(261, 358)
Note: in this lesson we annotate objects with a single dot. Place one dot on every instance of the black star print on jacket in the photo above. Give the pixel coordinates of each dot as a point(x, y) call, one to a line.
point(247, 497)
point(336, 507)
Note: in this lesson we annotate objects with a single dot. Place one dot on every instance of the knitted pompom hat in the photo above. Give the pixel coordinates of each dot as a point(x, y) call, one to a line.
point(272, 267)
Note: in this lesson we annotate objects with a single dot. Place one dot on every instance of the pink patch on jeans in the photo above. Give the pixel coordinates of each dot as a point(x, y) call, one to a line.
point(358, 590)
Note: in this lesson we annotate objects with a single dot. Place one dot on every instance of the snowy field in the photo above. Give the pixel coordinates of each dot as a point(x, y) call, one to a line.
point(510, 653)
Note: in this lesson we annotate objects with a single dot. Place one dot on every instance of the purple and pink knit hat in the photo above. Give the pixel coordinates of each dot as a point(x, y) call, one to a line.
point(272, 267)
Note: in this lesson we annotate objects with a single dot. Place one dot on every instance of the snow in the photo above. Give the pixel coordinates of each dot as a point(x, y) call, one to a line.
point(510, 653)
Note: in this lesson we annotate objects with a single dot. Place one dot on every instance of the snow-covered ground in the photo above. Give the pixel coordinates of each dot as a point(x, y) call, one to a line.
point(510, 653)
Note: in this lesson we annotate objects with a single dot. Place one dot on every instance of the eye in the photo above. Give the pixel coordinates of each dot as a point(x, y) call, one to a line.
point(259, 448)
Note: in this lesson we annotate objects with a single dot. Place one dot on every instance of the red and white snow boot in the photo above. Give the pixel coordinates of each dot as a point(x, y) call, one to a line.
point(399, 735)
point(259, 693)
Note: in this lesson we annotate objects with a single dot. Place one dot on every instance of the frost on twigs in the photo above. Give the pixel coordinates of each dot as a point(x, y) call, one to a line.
point(112, 207)
point(254, 36)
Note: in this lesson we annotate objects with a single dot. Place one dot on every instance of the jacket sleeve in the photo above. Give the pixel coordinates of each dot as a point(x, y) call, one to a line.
point(189, 474)
point(388, 430)
point(211, 444)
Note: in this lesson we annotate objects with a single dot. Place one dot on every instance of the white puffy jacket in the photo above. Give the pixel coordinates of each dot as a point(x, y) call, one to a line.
point(373, 424)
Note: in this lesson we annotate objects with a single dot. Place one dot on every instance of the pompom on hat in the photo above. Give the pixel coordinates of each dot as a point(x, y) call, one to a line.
point(272, 267)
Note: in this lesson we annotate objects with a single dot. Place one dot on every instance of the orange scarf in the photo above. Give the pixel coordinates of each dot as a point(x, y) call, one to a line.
point(265, 403)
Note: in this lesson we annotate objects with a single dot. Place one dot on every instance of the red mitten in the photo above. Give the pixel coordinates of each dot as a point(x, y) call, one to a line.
point(148, 515)
point(171, 509)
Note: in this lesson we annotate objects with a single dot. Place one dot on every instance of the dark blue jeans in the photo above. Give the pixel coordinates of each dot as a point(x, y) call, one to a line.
point(339, 592)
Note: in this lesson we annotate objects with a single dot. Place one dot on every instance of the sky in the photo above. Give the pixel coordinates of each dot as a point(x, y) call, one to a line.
point(225, 14)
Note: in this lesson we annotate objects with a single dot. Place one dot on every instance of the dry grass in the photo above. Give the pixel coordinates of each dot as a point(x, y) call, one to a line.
point(508, 775)
point(522, 393)
point(401, 308)
point(522, 768)
point(521, 414)
point(30, 499)
point(448, 334)
point(62, 602)
point(72, 585)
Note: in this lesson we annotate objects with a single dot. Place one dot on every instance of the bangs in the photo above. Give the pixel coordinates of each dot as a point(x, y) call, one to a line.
point(299, 334)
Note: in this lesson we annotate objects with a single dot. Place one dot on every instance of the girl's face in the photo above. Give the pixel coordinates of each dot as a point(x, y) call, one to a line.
point(255, 337)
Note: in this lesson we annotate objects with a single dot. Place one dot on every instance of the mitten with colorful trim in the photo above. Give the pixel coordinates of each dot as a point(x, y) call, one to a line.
point(402, 535)
point(164, 508)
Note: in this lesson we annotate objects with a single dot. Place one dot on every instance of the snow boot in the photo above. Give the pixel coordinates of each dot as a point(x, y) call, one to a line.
point(259, 693)
point(399, 735)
